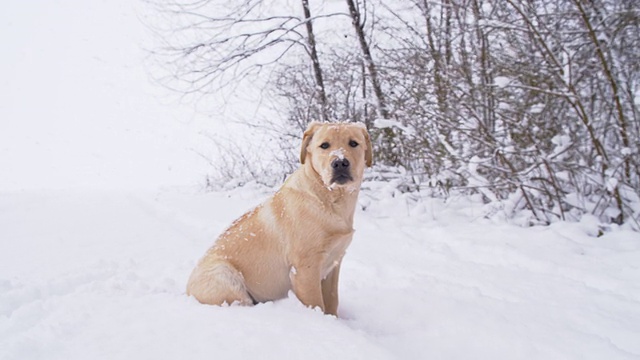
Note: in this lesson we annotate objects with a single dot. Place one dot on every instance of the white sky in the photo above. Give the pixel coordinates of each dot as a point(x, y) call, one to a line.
point(77, 108)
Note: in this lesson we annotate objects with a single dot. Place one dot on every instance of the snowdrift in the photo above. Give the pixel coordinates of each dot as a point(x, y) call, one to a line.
point(101, 275)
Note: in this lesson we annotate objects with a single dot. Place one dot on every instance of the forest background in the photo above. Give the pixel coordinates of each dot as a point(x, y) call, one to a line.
point(532, 104)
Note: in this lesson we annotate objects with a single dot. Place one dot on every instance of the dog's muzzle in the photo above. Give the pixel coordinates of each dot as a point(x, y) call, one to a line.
point(341, 171)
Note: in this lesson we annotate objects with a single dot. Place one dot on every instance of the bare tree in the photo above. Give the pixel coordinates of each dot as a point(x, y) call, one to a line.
point(533, 104)
point(315, 61)
point(211, 44)
point(358, 26)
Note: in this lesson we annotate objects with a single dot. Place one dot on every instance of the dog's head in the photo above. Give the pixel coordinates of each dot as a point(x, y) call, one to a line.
point(338, 152)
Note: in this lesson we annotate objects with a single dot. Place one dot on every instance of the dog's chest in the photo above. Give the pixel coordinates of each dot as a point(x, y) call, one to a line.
point(334, 252)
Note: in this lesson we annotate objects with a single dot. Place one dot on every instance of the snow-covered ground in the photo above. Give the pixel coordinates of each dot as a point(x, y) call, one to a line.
point(101, 275)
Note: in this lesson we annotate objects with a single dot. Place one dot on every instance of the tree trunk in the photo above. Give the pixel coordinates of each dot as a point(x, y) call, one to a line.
point(368, 60)
point(313, 53)
point(622, 122)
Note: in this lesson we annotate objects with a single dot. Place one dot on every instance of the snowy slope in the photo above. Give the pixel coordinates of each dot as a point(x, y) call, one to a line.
point(101, 275)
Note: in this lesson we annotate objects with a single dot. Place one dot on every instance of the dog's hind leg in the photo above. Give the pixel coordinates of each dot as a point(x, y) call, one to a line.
point(218, 282)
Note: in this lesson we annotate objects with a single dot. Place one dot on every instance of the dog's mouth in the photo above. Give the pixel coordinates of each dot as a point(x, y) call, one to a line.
point(341, 178)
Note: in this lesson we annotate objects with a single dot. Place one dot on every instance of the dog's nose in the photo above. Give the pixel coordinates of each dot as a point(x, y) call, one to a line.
point(340, 164)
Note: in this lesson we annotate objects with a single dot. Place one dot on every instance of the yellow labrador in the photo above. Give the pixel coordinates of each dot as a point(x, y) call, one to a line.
point(297, 238)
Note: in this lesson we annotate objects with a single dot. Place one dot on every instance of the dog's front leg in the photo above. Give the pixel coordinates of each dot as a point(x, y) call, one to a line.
point(305, 281)
point(330, 291)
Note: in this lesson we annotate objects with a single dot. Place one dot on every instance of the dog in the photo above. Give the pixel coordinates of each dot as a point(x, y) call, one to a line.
point(297, 238)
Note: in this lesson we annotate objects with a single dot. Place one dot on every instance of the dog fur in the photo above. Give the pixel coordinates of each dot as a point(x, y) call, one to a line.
point(297, 238)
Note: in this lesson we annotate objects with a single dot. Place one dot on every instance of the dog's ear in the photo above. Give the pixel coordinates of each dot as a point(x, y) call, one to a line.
point(306, 139)
point(368, 153)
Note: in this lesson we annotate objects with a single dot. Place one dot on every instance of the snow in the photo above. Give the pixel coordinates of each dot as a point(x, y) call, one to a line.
point(338, 153)
point(101, 275)
point(386, 123)
point(502, 81)
point(536, 108)
point(612, 184)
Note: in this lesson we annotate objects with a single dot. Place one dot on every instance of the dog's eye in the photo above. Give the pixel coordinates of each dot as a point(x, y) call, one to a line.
point(353, 143)
point(324, 145)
